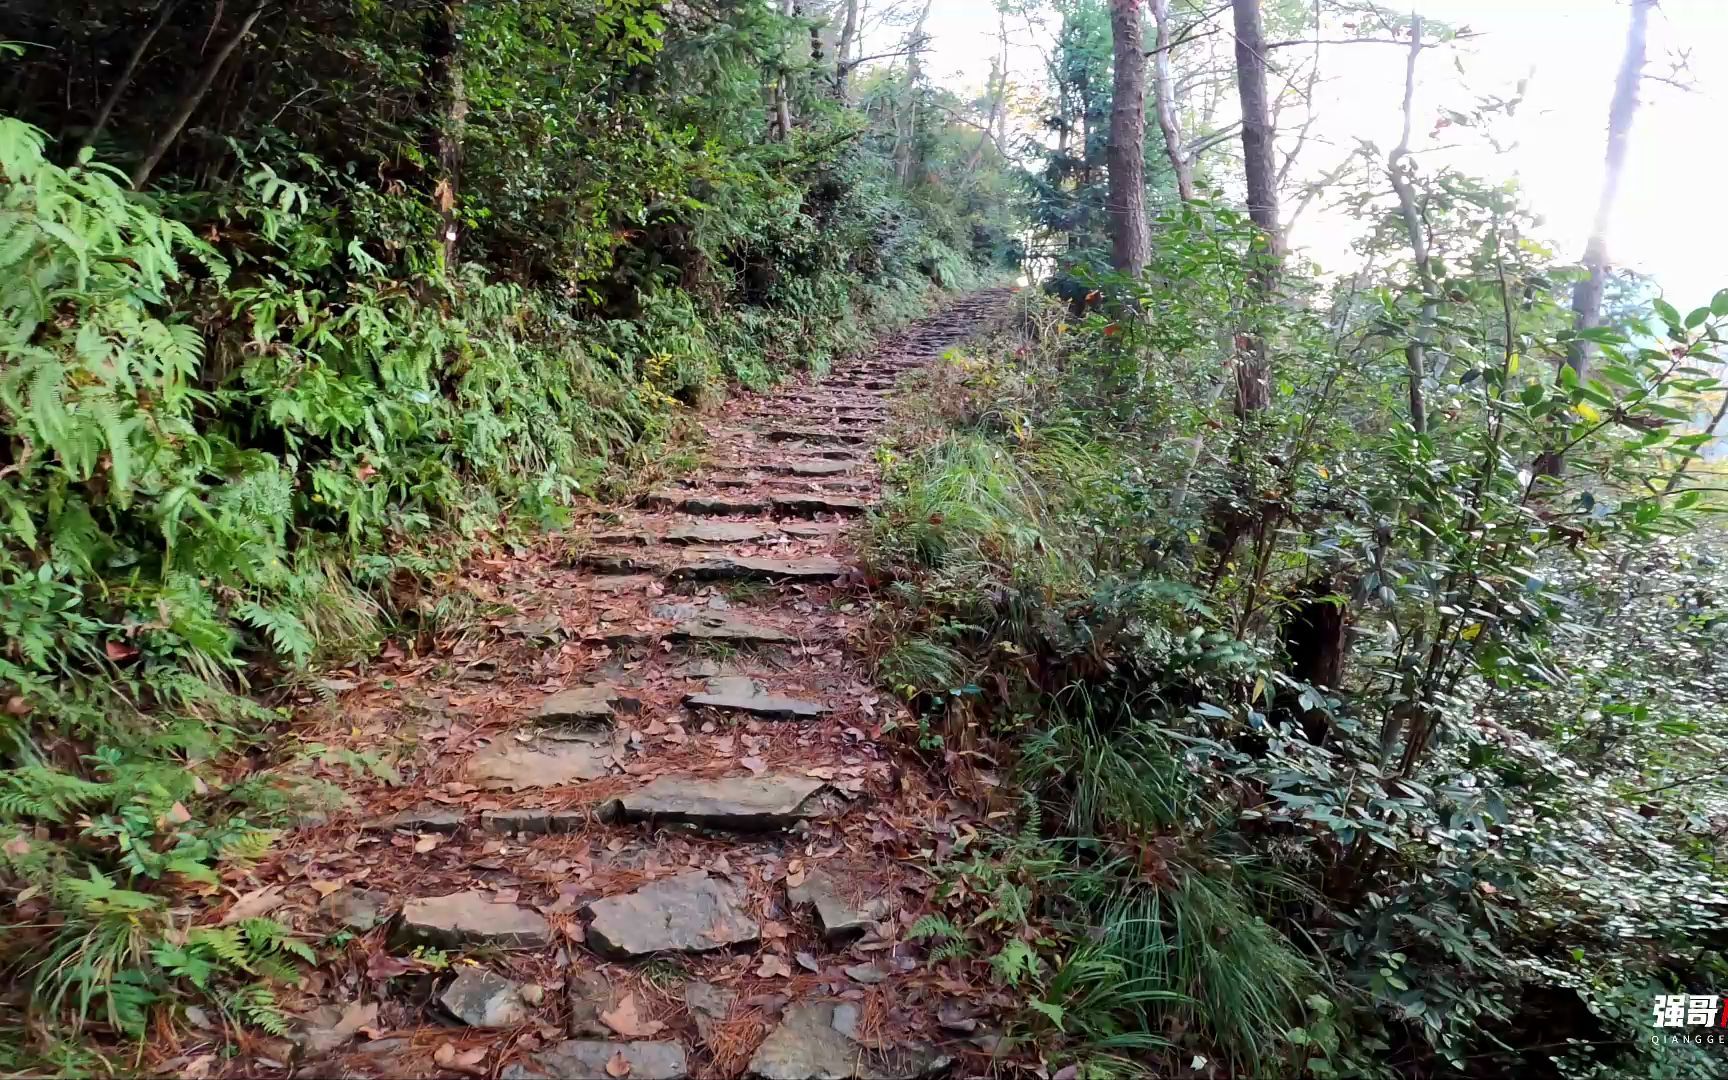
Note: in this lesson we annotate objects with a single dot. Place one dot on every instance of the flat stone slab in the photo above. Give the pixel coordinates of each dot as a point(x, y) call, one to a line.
point(810, 529)
point(814, 468)
point(470, 918)
point(841, 921)
point(508, 765)
point(690, 912)
point(713, 532)
point(533, 822)
point(741, 804)
point(480, 998)
point(357, 909)
point(817, 435)
point(711, 505)
point(723, 627)
point(622, 583)
point(759, 568)
point(424, 819)
point(586, 705)
point(818, 1041)
point(818, 504)
point(737, 693)
point(622, 562)
point(593, 1059)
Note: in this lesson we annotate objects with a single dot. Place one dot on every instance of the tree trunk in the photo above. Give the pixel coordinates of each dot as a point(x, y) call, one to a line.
point(445, 100)
point(843, 52)
point(904, 148)
point(1254, 365)
point(164, 12)
point(782, 88)
point(1587, 294)
point(1129, 244)
point(1416, 351)
point(1164, 91)
point(194, 95)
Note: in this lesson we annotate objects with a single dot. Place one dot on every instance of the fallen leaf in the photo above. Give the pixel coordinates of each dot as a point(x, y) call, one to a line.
point(773, 966)
point(427, 842)
point(464, 1061)
point(325, 888)
point(254, 904)
point(807, 962)
point(625, 1022)
point(354, 1017)
point(119, 650)
point(381, 966)
point(616, 1065)
point(754, 764)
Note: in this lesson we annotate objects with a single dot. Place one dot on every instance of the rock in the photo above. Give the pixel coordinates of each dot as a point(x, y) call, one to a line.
point(741, 804)
point(622, 583)
point(357, 909)
point(480, 998)
point(816, 468)
point(533, 822)
point(868, 974)
point(811, 529)
point(622, 562)
point(471, 918)
point(690, 912)
point(589, 995)
point(816, 435)
point(736, 693)
point(424, 819)
point(716, 627)
point(818, 1041)
point(707, 505)
point(698, 669)
point(840, 920)
point(709, 1006)
point(675, 612)
point(713, 532)
point(512, 766)
point(545, 627)
point(586, 704)
point(757, 568)
point(580, 1059)
point(818, 504)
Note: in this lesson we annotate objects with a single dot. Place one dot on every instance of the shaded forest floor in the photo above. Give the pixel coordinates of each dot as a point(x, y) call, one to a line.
point(636, 818)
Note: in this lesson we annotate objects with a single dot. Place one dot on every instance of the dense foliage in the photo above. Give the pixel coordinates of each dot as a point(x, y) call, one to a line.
point(302, 301)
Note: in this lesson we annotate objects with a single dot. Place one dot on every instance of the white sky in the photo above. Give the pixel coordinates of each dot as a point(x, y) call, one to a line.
point(1669, 221)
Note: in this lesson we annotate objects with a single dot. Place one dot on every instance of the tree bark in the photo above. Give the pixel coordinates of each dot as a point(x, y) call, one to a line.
point(1254, 364)
point(1164, 93)
point(782, 89)
point(445, 99)
point(1416, 350)
point(194, 95)
point(105, 111)
point(843, 52)
point(907, 137)
point(1587, 294)
point(1130, 245)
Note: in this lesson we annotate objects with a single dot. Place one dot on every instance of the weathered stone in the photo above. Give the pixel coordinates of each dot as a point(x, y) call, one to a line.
point(544, 627)
point(816, 468)
point(676, 612)
point(622, 583)
point(586, 704)
point(868, 974)
point(811, 529)
point(713, 532)
point(623, 562)
point(480, 998)
point(581, 1059)
point(818, 435)
point(713, 505)
point(800, 503)
point(758, 568)
point(709, 1006)
point(840, 920)
point(424, 819)
point(690, 912)
point(535, 822)
point(589, 995)
point(741, 804)
point(716, 627)
point(357, 909)
point(818, 1041)
point(737, 693)
point(508, 765)
point(471, 918)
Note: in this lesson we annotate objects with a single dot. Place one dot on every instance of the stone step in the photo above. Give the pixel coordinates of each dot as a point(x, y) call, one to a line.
point(737, 693)
point(467, 919)
point(595, 1059)
point(818, 504)
point(820, 1040)
point(586, 705)
point(690, 912)
point(729, 628)
point(816, 435)
point(758, 568)
point(706, 505)
point(737, 804)
point(507, 764)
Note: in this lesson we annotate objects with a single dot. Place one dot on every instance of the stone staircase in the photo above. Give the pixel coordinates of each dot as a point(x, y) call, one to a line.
point(669, 845)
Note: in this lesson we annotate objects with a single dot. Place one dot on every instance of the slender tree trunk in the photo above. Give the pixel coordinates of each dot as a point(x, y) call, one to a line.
point(1164, 93)
point(1254, 365)
point(905, 147)
point(843, 52)
point(782, 89)
point(445, 100)
point(1416, 351)
point(194, 95)
point(164, 12)
point(1129, 244)
point(1587, 294)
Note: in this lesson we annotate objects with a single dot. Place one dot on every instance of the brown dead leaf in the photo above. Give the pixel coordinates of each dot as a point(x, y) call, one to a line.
point(258, 902)
point(381, 966)
point(426, 842)
point(625, 1022)
point(354, 1017)
point(616, 1066)
point(772, 967)
point(754, 764)
point(462, 1061)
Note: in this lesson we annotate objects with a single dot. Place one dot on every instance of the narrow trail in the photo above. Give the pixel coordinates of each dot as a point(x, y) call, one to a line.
point(645, 827)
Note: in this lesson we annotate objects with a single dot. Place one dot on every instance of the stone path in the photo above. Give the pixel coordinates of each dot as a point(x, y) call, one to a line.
point(645, 827)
